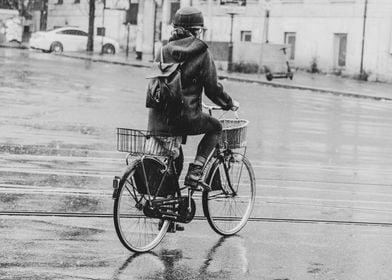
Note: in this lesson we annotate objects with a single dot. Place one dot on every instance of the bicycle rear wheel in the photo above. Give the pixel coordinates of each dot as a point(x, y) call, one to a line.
point(136, 232)
point(229, 205)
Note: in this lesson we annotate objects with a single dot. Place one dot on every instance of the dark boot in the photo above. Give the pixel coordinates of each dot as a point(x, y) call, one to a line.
point(193, 176)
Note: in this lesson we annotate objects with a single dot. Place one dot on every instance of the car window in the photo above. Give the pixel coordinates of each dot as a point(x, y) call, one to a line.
point(82, 33)
point(73, 32)
point(64, 32)
point(76, 32)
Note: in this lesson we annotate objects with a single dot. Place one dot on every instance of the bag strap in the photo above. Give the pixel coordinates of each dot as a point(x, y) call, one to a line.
point(162, 55)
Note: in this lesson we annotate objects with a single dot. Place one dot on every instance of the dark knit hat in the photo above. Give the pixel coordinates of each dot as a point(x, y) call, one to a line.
point(188, 17)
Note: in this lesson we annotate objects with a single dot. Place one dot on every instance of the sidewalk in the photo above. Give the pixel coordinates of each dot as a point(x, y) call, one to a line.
point(321, 83)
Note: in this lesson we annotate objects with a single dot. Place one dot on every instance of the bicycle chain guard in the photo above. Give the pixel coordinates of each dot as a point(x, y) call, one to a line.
point(185, 215)
point(173, 209)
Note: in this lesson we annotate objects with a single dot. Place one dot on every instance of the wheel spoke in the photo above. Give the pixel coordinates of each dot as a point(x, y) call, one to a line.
point(227, 211)
point(137, 232)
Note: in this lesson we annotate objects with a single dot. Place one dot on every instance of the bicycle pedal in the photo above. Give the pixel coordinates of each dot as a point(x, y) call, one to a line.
point(202, 187)
point(173, 227)
point(180, 227)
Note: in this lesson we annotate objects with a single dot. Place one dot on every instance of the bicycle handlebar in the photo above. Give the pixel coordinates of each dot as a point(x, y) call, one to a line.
point(211, 108)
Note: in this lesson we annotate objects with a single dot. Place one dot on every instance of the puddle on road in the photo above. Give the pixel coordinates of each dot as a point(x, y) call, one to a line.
point(78, 233)
point(10, 199)
point(51, 149)
point(71, 203)
point(50, 180)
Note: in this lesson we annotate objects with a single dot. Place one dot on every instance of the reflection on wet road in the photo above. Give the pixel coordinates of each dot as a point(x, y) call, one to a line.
point(224, 260)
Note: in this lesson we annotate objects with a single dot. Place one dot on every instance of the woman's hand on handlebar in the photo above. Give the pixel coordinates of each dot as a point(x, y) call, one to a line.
point(236, 105)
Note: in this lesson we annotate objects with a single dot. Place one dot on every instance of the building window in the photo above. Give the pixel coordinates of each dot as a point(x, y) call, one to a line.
point(60, 2)
point(132, 13)
point(76, 1)
point(291, 1)
point(246, 36)
point(100, 31)
point(174, 7)
point(342, 1)
point(340, 49)
point(5, 4)
point(289, 39)
point(233, 2)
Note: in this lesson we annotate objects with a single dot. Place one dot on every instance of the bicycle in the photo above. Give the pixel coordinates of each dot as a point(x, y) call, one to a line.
point(148, 197)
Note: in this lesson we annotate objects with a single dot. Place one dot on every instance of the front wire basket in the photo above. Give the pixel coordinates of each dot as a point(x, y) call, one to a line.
point(143, 142)
point(234, 133)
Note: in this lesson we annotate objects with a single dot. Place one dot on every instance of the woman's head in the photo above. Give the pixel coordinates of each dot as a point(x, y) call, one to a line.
point(187, 21)
point(188, 18)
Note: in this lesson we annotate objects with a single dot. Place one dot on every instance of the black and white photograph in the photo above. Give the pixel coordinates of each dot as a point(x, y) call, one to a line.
point(195, 139)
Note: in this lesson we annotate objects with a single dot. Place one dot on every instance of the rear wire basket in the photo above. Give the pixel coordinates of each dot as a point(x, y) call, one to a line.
point(234, 133)
point(143, 142)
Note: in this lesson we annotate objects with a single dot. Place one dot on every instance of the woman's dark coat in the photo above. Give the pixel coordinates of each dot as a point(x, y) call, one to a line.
point(198, 73)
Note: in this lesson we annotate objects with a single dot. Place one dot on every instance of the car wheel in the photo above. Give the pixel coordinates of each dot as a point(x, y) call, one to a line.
point(56, 47)
point(109, 49)
point(269, 76)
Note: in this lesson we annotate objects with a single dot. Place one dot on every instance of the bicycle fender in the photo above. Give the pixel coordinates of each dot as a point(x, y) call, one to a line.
point(118, 183)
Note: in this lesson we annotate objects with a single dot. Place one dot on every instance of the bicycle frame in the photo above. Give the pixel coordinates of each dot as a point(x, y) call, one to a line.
point(217, 156)
point(149, 201)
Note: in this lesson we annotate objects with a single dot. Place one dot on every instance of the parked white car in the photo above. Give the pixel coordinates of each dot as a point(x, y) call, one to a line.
point(70, 39)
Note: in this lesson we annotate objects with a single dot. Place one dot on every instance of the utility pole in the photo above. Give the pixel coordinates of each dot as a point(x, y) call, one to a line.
point(127, 48)
point(230, 58)
point(266, 26)
point(155, 26)
point(103, 25)
point(363, 38)
point(91, 17)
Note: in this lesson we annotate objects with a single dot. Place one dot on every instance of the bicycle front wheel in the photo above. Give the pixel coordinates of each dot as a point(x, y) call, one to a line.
point(136, 232)
point(229, 205)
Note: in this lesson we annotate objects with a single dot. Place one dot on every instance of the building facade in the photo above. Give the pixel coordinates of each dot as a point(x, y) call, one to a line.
point(341, 36)
point(347, 36)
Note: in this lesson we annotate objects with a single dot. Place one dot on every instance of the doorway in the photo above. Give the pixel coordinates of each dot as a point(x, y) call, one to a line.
point(340, 50)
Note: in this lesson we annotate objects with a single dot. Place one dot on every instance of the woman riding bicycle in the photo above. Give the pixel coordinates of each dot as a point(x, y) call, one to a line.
point(198, 73)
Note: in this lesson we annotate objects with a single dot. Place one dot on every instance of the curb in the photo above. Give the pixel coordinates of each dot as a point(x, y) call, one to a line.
point(300, 87)
point(140, 65)
point(248, 80)
point(14, 47)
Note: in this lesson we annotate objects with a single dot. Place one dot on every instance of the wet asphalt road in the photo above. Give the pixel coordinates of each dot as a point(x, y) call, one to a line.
point(316, 158)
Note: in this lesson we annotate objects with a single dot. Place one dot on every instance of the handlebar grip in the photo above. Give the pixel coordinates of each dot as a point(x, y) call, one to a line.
point(212, 107)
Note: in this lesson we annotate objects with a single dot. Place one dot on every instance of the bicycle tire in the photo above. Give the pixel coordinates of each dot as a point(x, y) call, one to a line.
point(221, 206)
point(136, 232)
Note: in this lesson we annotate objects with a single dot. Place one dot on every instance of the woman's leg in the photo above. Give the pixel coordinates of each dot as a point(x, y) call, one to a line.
point(212, 129)
point(179, 162)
